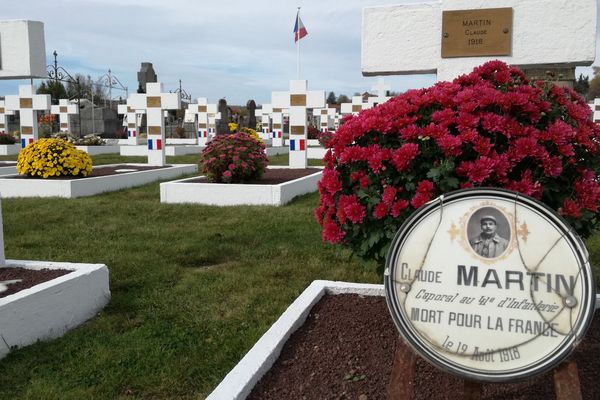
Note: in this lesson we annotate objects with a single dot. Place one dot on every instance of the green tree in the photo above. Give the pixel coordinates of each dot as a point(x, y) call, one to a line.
point(331, 98)
point(582, 85)
point(342, 98)
point(55, 89)
point(594, 89)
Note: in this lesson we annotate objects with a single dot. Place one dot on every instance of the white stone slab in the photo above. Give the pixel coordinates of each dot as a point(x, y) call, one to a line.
point(231, 194)
point(191, 141)
point(238, 383)
point(72, 188)
point(315, 153)
point(9, 149)
point(23, 50)
point(7, 169)
point(406, 39)
point(95, 150)
point(273, 151)
point(141, 150)
point(50, 309)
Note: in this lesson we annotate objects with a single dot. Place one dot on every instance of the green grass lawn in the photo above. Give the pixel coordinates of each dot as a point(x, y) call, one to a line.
point(193, 288)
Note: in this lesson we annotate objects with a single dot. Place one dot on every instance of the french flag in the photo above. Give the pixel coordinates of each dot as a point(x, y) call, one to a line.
point(299, 29)
point(296, 144)
point(154, 144)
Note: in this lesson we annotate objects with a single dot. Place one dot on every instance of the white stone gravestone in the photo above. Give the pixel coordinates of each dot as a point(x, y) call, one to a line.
point(131, 122)
point(265, 117)
point(3, 120)
point(407, 38)
point(596, 110)
point(201, 111)
point(277, 126)
point(355, 107)
point(298, 99)
point(155, 102)
point(63, 110)
point(381, 89)
point(28, 104)
point(213, 116)
point(326, 117)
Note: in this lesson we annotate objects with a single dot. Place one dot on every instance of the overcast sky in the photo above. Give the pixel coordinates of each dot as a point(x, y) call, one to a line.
point(236, 49)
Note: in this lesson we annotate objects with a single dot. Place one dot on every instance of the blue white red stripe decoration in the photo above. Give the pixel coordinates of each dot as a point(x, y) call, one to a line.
point(154, 144)
point(299, 29)
point(296, 144)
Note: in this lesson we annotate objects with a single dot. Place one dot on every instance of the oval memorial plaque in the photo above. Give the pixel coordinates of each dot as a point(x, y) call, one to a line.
point(489, 284)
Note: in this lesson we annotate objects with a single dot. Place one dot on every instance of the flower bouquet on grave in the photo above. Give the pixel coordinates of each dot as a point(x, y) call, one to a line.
point(7, 138)
point(51, 158)
point(233, 158)
point(490, 128)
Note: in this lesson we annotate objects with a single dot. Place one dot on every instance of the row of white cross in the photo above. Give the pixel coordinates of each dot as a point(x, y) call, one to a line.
point(155, 103)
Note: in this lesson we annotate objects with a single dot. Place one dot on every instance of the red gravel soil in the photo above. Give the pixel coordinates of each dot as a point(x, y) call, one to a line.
point(345, 350)
point(97, 171)
point(29, 278)
point(273, 176)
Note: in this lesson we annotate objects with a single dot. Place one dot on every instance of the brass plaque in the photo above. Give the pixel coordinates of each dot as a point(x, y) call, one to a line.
point(130, 110)
point(1, 110)
point(323, 112)
point(27, 130)
point(296, 130)
point(64, 125)
point(1, 126)
point(277, 110)
point(154, 130)
point(131, 125)
point(276, 126)
point(26, 103)
point(201, 126)
point(473, 33)
point(62, 109)
point(323, 123)
point(598, 108)
point(357, 108)
point(202, 109)
point(153, 102)
point(297, 100)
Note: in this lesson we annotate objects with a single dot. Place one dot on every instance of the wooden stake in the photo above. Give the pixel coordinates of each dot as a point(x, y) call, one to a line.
point(403, 373)
point(566, 382)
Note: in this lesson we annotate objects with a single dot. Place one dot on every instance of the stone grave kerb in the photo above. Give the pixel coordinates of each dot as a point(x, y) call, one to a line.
point(3, 120)
point(155, 102)
point(131, 122)
point(28, 104)
point(63, 110)
point(549, 33)
point(299, 99)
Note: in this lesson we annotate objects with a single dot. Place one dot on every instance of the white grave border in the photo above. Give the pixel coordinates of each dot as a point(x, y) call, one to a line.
point(239, 382)
point(49, 309)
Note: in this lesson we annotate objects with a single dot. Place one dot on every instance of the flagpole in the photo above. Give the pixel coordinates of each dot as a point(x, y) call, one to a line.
point(298, 47)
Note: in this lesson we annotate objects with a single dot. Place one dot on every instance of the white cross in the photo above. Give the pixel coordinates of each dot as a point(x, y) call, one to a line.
point(213, 116)
point(155, 102)
point(596, 110)
point(64, 109)
point(390, 31)
point(131, 122)
point(201, 110)
point(3, 113)
point(381, 89)
point(28, 104)
point(326, 116)
point(298, 99)
point(355, 107)
point(277, 127)
point(264, 114)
